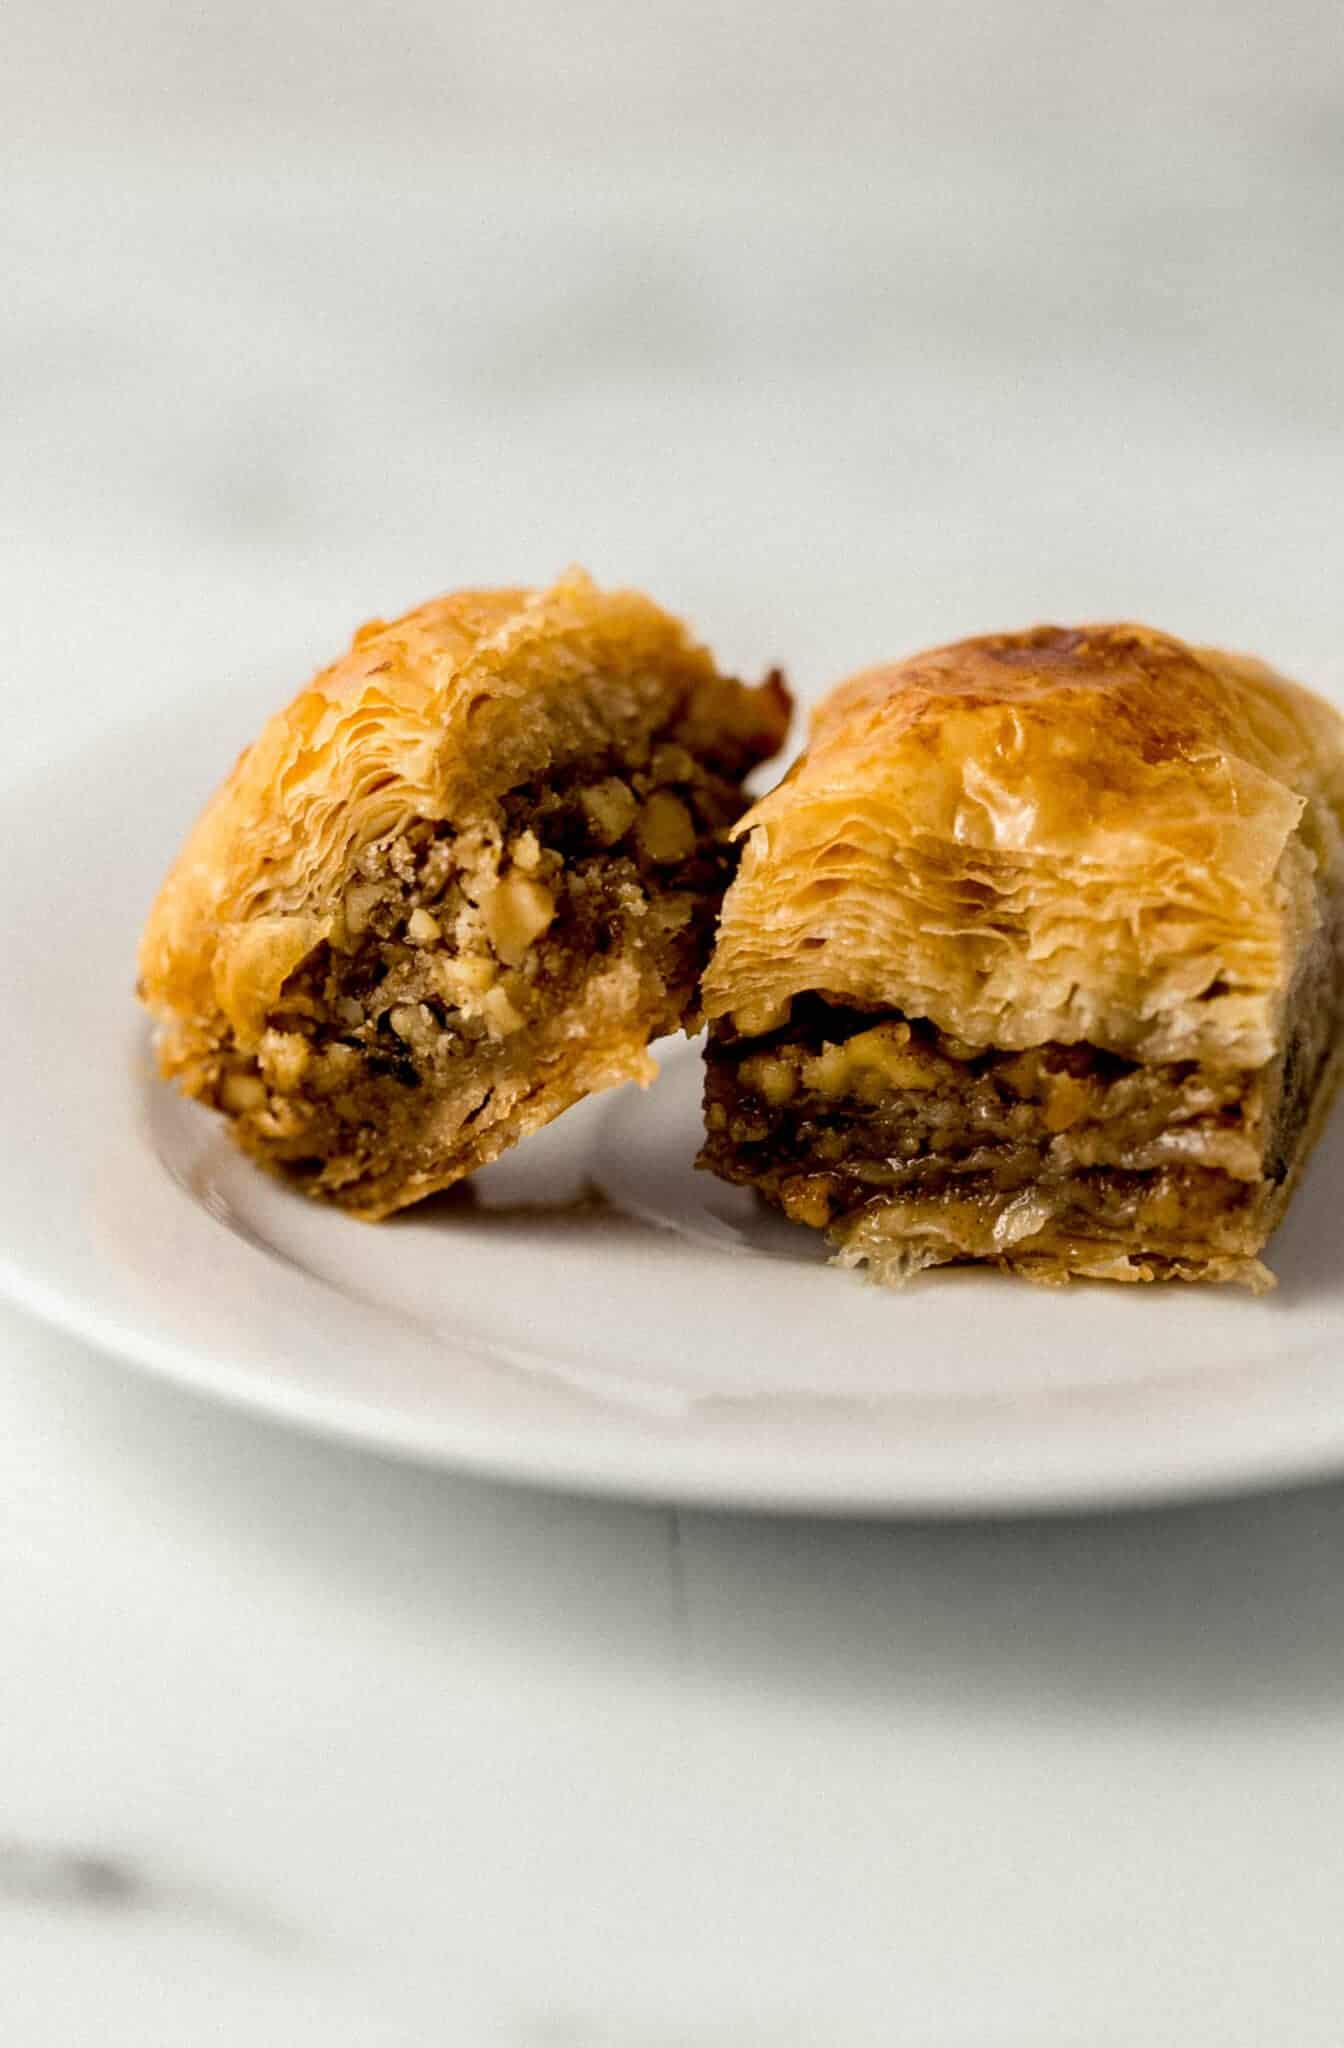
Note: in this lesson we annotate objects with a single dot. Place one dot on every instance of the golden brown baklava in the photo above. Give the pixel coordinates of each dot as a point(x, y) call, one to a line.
point(460, 882)
point(1035, 959)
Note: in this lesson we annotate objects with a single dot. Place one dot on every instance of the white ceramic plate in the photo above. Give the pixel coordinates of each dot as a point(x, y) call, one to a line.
point(595, 1313)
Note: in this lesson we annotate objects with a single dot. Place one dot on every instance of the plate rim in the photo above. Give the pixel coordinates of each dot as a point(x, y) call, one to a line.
point(652, 1466)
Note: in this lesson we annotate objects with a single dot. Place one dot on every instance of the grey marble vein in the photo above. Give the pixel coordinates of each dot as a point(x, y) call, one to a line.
point(61, 1878)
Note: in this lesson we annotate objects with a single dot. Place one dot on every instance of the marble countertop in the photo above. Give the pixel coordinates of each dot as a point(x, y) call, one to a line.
point(840, 341)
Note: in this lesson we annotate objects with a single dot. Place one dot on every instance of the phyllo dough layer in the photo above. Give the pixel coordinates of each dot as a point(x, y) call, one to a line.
point(460, 882)
point(1035, 958)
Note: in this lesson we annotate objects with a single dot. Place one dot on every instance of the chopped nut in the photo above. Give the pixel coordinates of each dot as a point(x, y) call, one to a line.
point(423, 928)
point(515, 915)
point(609, 807)
point(360, 899)
point(436, 869)
point(828, 1072)
point(284, 1058)
point(401, 859)
point(806, 1199)
point(1065, 1104)
point(240, 1093)
point(286, 1118)
point(462, 981)
point(500, 1013)
point(665, 831)
point(872, 1062)
point(476, 856)
point(526, 852)
point(754, 1020)
point(771, 1077)
point(336, 1068)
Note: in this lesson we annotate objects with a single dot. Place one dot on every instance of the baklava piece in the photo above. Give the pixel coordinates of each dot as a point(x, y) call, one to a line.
point(462, 881)
point(1035, 961)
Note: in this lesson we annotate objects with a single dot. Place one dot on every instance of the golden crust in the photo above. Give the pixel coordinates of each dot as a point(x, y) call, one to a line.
point(423, 718)
point(431, 718)
point(1092, 834)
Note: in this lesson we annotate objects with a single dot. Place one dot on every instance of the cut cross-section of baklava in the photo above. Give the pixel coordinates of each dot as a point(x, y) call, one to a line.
point(460, 882)
point(1035, 960)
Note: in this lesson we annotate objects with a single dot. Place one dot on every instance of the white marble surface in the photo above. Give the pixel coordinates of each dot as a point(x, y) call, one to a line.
point(842, 331)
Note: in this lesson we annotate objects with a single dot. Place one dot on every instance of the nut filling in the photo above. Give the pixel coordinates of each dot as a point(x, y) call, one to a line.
point(913, 1148)
point(456, 948)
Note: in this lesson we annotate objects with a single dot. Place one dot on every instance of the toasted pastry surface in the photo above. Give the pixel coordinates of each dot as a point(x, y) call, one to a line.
point(459, 881)
point(1035, 957)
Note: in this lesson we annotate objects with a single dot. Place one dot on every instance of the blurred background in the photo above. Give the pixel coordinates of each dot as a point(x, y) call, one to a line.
point(843, 328)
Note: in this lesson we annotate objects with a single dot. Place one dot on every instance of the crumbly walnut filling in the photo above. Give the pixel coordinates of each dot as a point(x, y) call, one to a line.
point(836, 1117)
point(452, 944)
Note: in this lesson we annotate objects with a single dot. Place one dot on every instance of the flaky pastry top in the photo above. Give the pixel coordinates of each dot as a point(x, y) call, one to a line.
point(1093, 833)
point(429, 717)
